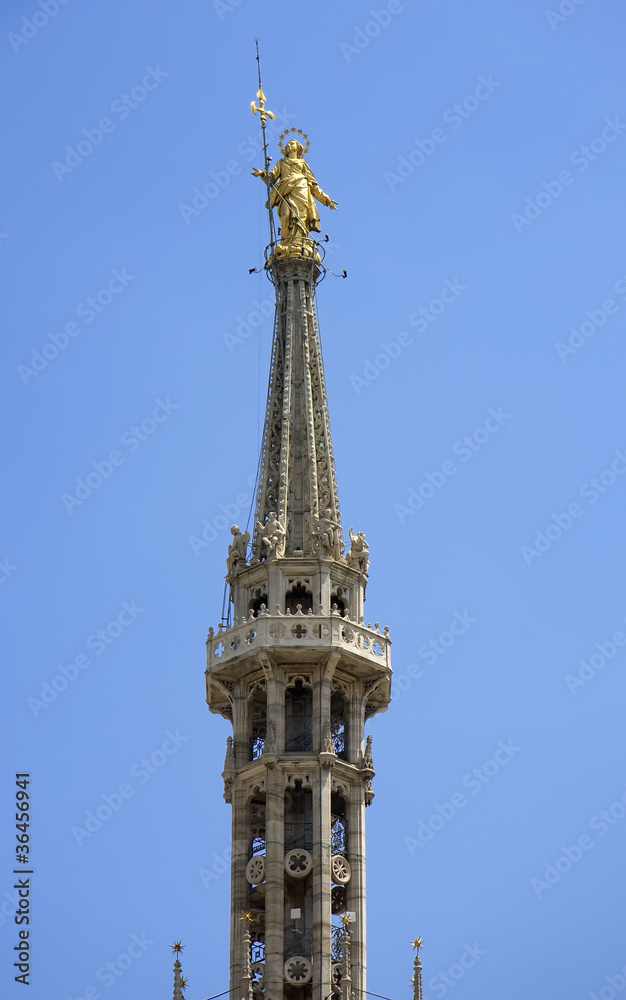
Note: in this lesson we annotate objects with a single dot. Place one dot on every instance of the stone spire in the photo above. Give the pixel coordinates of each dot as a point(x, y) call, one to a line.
point(417, 971)
point(298, 483)
point(179, 981)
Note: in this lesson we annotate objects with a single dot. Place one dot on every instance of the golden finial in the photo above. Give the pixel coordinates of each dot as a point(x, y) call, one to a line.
point(177, 947)
point(262, 110)
point(246, 917)
point(345, 919)
point(417, 943)
point(183, 982)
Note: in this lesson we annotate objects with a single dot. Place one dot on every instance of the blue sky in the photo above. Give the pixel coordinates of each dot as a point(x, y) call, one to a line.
point(474, 364)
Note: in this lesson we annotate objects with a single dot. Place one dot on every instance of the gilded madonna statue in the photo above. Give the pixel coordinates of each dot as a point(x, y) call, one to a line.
point(293, 193)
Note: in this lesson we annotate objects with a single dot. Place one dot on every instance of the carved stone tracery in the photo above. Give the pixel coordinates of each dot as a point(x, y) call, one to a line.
point(298, 482)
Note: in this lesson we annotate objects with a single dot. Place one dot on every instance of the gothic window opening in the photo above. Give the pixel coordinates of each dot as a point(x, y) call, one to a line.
point(299, 594)
point(338, 725)
point(302, 972)
point(257, 827)
point(258, 720)
point(298, 718)
point(255, 876)
point(257, 602)
point(257, 954)
point(336, 936)
point(338, 900)
point(298, 818)
point(338, 825)
point(298, 932)
point(336, 978)
point(339, 601)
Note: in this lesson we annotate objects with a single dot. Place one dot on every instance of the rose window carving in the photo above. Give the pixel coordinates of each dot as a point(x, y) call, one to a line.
point(298, 862)
point(298, 970)
point(340, 870)
point(255, 869)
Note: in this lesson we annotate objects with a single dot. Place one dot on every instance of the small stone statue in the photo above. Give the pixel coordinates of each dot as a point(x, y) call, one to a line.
point(236, 557)
point(272, 536)
point(358, 557)
point(328, 538)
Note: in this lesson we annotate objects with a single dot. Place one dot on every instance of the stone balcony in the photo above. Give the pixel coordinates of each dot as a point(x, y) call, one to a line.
point(298, 638)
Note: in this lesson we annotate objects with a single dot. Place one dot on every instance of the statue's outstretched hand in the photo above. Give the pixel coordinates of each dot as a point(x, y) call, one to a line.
point(258, 173)
point(331, 203)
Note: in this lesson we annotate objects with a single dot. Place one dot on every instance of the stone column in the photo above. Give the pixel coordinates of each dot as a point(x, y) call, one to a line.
point(356, 886)
point(239, 886)
point(274, 881)
point(322, 784)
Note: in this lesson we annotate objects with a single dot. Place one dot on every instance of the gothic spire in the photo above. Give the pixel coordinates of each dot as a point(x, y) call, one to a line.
point(417, 971)
point(297, 505)
point(179, 981)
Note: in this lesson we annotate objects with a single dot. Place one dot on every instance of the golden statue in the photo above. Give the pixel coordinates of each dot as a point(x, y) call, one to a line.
point(293, 192)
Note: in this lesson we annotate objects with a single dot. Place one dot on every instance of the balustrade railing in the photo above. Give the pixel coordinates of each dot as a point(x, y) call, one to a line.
point(293, 630)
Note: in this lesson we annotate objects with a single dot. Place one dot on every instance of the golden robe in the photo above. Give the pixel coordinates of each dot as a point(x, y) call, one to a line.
point(293, 194)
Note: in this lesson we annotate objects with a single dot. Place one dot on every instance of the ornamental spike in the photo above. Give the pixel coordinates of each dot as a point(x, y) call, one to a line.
point(417, 971)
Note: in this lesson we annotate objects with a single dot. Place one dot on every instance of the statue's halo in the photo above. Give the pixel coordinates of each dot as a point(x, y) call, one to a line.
point(297, 131)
